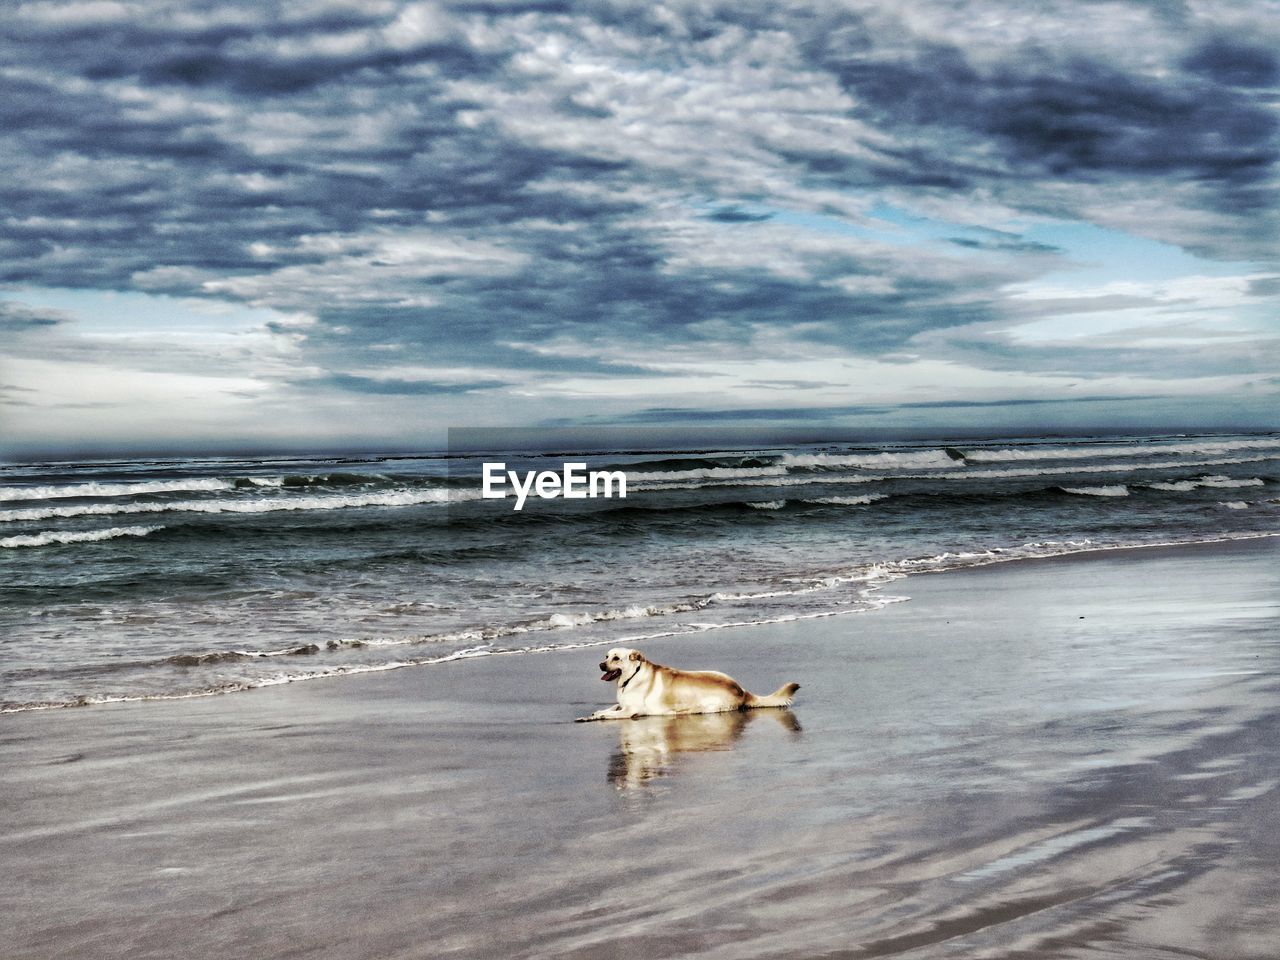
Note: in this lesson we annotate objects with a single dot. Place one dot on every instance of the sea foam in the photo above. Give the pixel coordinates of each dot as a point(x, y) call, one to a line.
point(850, 501)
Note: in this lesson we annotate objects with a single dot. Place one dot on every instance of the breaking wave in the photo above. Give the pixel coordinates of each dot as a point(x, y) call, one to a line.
point(1186, 486)
point(911, 460)
point(58, 537)
point(1116, 490)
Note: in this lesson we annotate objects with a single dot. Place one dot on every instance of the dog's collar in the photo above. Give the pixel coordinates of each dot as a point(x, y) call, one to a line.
point(632, 677)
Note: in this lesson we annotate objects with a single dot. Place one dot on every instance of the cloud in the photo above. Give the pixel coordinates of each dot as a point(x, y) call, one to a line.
point(821, 414)
point(397, 386)
point(18, 317)
point(1235, 61)
point(1058, 124)
point(11, 396)
point(540, 188)
point(734, 214)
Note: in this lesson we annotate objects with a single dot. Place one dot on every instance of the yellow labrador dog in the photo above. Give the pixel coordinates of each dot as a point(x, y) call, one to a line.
point(648, 689)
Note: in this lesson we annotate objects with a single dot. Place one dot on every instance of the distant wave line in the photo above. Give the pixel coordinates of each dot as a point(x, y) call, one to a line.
point(985, 455)
point(390, 498)
point(756, 477)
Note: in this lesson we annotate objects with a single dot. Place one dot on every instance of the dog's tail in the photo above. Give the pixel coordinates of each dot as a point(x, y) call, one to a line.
point(781, 698)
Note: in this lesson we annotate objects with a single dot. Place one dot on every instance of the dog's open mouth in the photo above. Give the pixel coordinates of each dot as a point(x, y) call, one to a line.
point(611, 675)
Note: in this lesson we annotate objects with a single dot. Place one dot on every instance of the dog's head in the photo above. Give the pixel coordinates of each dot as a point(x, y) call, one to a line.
point(617, 660)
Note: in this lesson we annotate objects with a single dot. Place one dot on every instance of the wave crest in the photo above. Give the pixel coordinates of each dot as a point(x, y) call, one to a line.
point(1115, 490)
point(59, 537)
point(94, 488)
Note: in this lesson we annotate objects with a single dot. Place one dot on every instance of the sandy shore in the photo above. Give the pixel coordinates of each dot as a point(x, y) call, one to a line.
point(1067, 758)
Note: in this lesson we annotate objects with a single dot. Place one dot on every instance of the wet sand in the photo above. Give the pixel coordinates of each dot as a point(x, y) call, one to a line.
point(1062, 759)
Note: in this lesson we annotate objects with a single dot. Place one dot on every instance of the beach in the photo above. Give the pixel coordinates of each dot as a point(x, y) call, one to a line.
point(375, 376)
point(1065, 757)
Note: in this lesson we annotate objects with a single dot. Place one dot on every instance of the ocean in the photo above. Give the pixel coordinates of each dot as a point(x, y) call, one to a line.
point(163, 578)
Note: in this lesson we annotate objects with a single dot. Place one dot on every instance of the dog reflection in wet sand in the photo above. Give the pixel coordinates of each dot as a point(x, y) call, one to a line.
point(648, 689)
point(651, 747)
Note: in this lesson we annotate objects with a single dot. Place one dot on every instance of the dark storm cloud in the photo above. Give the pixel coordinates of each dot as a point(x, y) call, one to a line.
point(583, 188)
point(1033, 116)
point(1235, 61)
point(1077, 119)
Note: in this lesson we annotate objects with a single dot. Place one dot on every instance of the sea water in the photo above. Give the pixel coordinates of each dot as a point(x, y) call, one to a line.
point(129, 579)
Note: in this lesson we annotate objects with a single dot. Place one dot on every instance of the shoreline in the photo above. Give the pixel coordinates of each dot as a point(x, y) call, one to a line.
point(1061, 762)
point(894, 571)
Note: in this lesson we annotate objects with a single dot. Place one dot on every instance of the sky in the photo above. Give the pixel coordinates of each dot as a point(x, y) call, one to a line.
point(325, 224)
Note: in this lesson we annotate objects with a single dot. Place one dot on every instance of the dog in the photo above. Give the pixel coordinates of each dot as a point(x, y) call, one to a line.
point(648, 689)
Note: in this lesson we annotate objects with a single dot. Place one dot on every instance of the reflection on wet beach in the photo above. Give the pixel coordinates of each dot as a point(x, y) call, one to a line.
point(652, 747)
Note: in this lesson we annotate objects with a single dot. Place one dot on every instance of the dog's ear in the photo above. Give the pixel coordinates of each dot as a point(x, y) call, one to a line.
point(637, 655)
